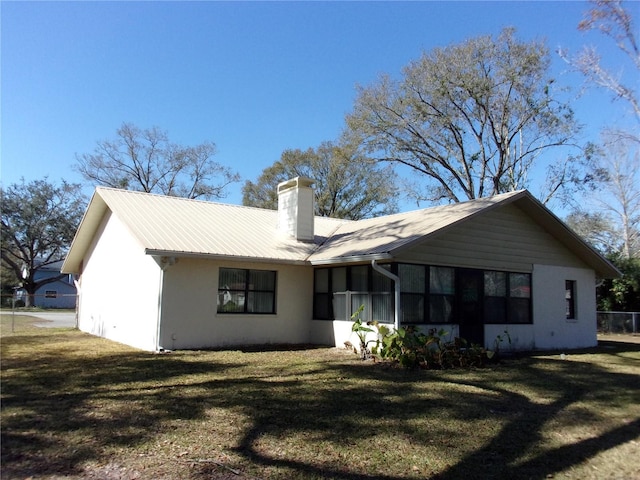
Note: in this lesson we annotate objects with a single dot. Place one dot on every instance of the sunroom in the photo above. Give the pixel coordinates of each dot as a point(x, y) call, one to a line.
point(429, 296)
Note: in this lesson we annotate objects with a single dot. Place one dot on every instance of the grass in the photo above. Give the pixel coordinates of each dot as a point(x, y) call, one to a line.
point(79, 407)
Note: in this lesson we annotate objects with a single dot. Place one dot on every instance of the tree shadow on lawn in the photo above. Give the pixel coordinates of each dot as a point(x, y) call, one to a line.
point(514, 452)
point(67, 410)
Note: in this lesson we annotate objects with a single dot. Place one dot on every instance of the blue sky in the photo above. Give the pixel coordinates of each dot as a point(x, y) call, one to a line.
point(256, 78)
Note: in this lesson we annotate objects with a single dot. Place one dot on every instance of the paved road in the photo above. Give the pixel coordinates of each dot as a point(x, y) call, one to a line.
point(53, 319)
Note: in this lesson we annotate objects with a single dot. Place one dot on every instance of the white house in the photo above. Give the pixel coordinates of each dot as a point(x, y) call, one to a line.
point(159, 272)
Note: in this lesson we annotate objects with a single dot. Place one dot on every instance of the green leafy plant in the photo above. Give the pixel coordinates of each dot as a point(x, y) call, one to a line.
point(411, 348)
point(361, 330)
point(495, 353)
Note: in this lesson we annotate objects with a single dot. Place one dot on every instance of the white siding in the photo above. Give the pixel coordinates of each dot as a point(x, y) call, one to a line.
point(189, 310)
point(501, 239)
point(119, 288)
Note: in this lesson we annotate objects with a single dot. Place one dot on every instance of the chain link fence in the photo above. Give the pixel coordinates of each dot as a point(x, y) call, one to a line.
point(619, 322)
point(49, 300)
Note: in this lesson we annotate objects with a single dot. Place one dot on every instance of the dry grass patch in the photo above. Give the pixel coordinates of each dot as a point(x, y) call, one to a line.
point(79, 407)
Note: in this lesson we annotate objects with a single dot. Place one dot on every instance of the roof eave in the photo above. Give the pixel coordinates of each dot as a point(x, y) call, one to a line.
point(561, 231)
point(215, 256)
point(352, 259)
point(90, 222)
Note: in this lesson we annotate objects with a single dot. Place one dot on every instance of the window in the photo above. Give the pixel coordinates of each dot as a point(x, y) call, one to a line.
point(50, 294)
point(442, 291)
point(570, 298)
point(246, 291)
point(507, 297)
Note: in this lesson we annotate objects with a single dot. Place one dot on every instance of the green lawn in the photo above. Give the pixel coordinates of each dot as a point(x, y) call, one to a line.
point(79, 407)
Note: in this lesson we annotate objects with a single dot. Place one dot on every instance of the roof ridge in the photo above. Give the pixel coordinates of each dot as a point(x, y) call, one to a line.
point(208, 202)
point(178, 198)
point(513, 193)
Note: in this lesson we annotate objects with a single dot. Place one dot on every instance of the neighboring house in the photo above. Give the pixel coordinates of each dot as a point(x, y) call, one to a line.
point(159, 272)
point(61, 293)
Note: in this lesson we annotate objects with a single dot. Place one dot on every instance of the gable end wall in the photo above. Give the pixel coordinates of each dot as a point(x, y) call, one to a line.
point(119, 288)
point(502, 239)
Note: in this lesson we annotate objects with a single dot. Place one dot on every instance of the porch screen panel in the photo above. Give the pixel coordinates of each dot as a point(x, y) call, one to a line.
point(381, 296)
point(442, 290)
point(339, 279)
point(329, 298)
point(359, 278)
point(321, 295)
point(340, 306)
point(495, 297)
point(507, 297)
point(358, 299)
point(519, 310)
point(380, 282)
point(413, 290)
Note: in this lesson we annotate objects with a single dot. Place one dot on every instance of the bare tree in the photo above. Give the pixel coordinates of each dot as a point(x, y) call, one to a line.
point(596, 228)
point(473, 119)
point(622, 162)
point(618, 164)
point(612, 19)
point(147, 161)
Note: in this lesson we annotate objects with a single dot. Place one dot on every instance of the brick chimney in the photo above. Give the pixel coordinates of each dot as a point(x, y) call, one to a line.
point(295, 208)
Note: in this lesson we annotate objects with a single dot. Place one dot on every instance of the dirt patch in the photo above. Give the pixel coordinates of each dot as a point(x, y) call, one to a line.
point(621, 337)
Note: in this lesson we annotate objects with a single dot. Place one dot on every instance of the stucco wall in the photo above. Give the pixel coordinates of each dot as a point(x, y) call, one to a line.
point(337, 332)
point(552, 330)
point(189, 310)
point(119, 288)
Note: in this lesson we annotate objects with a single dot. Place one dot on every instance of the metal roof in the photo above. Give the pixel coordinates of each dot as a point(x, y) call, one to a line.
point(182, 227)
point(384, 236)
point(178, 226)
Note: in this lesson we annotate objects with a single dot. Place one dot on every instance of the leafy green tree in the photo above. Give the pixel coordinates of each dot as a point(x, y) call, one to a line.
point(621, 294)
point(8, 283)
point(39, 221)
point(347, 184)
point(471, 119)
point(145, 160)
